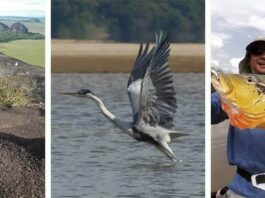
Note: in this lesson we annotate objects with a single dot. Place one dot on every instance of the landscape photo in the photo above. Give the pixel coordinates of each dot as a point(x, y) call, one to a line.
point(22, 99)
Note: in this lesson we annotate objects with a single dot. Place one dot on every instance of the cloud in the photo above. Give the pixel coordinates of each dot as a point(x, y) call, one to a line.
point(235, 23)
point(240, 13)
point(235, 62)
point(22, 8)
point(217, 39)
point(216, 42)
point(257, 22)
point(215, 64)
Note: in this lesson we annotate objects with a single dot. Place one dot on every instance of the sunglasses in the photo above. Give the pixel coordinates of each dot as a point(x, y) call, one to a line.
point(257, 51)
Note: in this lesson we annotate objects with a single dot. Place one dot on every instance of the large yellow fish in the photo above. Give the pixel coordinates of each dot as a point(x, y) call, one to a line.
point(243, 98)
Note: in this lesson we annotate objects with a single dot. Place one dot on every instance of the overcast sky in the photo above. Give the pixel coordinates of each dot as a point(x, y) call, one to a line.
point(25, 8)
point(235, 23)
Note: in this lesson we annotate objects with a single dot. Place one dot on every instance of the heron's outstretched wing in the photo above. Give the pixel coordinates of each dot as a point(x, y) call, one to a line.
point(134, 84)
point(158, 97)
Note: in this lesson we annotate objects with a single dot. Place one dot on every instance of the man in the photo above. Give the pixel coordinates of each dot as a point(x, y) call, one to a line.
point(245, 147)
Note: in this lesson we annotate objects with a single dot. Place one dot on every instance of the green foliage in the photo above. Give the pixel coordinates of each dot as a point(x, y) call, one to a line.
point(128, 21)
point(6, 36)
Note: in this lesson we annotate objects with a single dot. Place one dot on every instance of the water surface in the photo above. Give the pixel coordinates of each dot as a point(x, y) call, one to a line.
point(92, 158)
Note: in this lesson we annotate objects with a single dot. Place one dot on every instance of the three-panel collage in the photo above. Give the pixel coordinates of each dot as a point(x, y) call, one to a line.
point(132, 98)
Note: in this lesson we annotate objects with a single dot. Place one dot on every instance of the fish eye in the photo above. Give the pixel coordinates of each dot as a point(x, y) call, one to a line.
point(250, 79)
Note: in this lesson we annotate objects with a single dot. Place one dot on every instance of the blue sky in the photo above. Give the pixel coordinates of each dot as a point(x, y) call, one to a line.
point(235, 23)
point(24, 8)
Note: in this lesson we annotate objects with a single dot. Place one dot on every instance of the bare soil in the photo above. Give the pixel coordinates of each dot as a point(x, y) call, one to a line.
point(22, 152)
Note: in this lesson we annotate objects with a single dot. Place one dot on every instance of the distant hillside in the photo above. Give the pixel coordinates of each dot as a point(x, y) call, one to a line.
point(34, 24)
point(17, 31)
point(22, 19)
point(128, 21)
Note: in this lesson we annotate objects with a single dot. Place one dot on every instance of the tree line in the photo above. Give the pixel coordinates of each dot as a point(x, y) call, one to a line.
point(6, 36)
point(128, 20)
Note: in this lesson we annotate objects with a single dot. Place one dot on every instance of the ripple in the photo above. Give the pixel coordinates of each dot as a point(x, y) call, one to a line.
point(92, 158)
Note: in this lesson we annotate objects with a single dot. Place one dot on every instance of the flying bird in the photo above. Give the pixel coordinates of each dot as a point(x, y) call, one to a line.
point(152, 95)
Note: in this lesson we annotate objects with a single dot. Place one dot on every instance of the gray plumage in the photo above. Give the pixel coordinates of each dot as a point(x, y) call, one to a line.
point(157, 102)
point(152, 95)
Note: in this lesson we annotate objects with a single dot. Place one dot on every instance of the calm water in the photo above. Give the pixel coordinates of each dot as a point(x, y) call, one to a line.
point(92, 158)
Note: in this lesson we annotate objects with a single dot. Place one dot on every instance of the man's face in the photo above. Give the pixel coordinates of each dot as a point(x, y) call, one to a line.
point(257, 62)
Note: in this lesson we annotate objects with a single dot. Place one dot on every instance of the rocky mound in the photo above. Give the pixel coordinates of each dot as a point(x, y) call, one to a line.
point(20, 84)
point(3, 27)
point(22, 129)
point(19, 28)
point(12, 67)
point(22, 172)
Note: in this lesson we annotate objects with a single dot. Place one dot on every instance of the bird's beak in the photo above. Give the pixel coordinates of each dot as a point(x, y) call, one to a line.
point(68, 93)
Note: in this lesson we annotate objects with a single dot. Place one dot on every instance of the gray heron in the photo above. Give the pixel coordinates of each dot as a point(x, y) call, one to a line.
point(152, 96)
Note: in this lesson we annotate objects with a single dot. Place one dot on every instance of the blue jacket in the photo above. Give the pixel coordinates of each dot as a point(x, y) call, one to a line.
point(245, 149)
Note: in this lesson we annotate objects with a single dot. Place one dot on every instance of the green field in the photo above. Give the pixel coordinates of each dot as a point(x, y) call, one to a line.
point(29, 51)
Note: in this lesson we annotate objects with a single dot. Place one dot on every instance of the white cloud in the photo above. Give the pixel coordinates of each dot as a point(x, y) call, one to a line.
point(22, 8)
point(215, 63)
point(216, 42)
point(234, 62)
point(218, 39)
point(235, 23)
point(240, 13)
point(257, 22)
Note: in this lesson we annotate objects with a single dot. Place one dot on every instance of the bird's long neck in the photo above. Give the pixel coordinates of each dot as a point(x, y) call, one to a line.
point(103, 109)
point(120, 124)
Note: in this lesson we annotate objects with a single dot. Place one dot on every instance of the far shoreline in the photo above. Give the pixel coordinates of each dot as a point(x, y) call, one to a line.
point(69, 56)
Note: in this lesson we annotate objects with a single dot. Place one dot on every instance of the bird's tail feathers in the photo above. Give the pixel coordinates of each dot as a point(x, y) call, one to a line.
point(176, 134)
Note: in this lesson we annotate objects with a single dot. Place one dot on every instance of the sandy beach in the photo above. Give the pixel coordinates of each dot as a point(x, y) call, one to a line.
point(85, 57)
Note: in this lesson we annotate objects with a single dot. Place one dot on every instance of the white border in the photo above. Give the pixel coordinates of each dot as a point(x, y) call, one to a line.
point(47, 99)
point(207, 99)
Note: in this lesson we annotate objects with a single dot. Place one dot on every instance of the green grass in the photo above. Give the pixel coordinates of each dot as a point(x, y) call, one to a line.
point(29, 51)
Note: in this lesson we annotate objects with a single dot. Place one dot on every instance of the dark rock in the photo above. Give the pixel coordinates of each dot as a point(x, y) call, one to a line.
point(19, 28)
point(22, 153)
point(10, 67)
point(22, 131)
point(22, 173)
point(4, 27)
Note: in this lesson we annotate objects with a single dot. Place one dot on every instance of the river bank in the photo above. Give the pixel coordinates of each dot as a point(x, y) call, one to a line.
point(69, 56)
